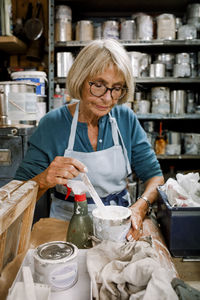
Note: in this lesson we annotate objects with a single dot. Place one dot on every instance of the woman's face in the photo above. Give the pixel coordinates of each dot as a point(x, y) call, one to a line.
point(101, 105)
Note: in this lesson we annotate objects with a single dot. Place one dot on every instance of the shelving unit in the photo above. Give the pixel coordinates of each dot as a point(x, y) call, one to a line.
point(87, 10)
point(147, 80)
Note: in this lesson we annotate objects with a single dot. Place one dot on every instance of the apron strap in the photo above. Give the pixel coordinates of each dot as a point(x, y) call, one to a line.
point(115, 135)
point(73, 129)
point(114, 124)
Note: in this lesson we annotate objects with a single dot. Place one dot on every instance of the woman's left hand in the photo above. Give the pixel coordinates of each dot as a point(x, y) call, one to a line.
point(136, 229)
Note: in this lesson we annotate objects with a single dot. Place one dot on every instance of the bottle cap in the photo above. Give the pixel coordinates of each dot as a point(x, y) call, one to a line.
point(79, 198)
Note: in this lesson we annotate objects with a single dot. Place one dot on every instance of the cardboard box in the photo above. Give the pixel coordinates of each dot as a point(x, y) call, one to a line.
point(180, 227)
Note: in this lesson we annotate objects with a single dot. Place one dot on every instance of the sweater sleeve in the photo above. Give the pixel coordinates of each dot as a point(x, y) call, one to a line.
point(143, 158)
point(141, 155)
point(48, 141)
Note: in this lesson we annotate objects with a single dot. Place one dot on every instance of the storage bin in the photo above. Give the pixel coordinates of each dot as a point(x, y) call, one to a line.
point(180, 227)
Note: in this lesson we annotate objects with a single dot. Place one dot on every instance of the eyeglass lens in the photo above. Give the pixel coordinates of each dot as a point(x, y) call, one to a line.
point(99, 90)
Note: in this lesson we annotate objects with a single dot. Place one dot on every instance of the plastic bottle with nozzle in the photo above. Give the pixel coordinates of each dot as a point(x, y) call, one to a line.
point(80, 226)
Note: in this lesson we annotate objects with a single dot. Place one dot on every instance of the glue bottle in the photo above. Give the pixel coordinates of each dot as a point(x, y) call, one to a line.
point(80, 226)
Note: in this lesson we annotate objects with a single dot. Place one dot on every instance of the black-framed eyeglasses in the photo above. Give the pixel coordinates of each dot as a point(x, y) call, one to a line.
point(98, 89)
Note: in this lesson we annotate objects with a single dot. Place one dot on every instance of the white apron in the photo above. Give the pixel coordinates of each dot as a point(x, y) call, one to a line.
point(107, 171)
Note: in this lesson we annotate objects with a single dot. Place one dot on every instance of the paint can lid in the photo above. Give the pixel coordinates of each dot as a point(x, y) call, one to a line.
point(56, 250)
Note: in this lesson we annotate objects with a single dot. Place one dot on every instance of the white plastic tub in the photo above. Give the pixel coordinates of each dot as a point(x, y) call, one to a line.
point(35, 76)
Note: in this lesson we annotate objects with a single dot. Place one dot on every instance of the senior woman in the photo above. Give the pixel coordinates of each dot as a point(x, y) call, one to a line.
point(97, 133)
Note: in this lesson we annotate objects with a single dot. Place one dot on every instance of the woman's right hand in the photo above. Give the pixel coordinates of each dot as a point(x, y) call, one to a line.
point(59, 171)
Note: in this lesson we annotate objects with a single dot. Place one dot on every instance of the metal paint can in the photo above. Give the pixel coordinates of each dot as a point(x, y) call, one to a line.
point(160, 92)
point(112, 224)
point(182, 58)
point(64, 63)
point(144, 27)
point(111, 30)
point(182, 70)
point(84, 30)
point(128, 30)
point(178, 101)
point(143, 107)
point(192, 143)
point(56, 265)
point(97, 31)
point(173, 146)
point(63, 30)
point(168, 60)
point(160, 100)
point(63, 12)
point(187, 32)
point(193, 10)
point(166, 27)
point(157, 70)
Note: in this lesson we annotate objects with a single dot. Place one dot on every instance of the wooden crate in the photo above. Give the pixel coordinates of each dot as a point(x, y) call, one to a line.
point(17, 204)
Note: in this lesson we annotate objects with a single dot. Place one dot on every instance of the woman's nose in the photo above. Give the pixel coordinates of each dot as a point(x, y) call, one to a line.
point(107, 96)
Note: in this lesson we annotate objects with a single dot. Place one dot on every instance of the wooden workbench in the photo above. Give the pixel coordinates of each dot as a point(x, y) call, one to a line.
point(49, 229)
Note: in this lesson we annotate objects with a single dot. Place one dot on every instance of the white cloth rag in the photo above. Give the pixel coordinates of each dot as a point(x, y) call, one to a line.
point(121, 271)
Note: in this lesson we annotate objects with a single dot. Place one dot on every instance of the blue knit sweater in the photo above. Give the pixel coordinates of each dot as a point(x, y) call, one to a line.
point(50, 139)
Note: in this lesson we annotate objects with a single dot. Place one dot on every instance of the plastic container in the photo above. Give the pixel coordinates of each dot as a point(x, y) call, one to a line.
point(35, 76)
point(22, 107)
point(180, 227)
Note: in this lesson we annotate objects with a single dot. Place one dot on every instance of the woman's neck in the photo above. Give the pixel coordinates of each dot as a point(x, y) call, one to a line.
point(84, 116)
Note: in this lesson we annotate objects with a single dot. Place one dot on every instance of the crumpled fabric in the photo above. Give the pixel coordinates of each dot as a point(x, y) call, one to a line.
point(185, 191)
point(121, 271)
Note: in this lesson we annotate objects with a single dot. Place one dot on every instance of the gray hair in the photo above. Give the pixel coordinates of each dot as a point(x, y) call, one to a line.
point(93, 59)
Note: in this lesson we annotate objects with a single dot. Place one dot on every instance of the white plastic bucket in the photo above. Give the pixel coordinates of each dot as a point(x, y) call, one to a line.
point(22, 107)
point(35, 76)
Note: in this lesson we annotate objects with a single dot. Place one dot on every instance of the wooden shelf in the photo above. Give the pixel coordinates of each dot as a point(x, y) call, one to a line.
point(12, 45)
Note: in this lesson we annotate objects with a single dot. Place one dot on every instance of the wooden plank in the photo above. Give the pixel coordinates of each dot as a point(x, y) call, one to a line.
point(25, 232)
point(21, 198)
point(12, 45)
point(2, 248)
point(9, 188)
point(12, 241)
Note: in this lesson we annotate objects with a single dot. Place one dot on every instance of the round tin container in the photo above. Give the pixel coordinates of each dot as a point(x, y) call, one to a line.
point(193, 10)
point(84, 30)
point(128, 30)
point(167, 59)
point(166, 27)
point(182, 58)
point(112, 224)
point(64, 63)
point(111, 30)
point(160, 92)
point(178, 101)
point(56, 265)
point(182, 70)
point(144, 27)
point(157, 70)
point(187, 32)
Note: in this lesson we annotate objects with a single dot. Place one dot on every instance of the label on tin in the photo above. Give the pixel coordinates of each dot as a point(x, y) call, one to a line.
point(64, 277)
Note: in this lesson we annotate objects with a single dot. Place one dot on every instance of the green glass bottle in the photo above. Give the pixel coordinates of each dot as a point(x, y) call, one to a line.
point(80, 226)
